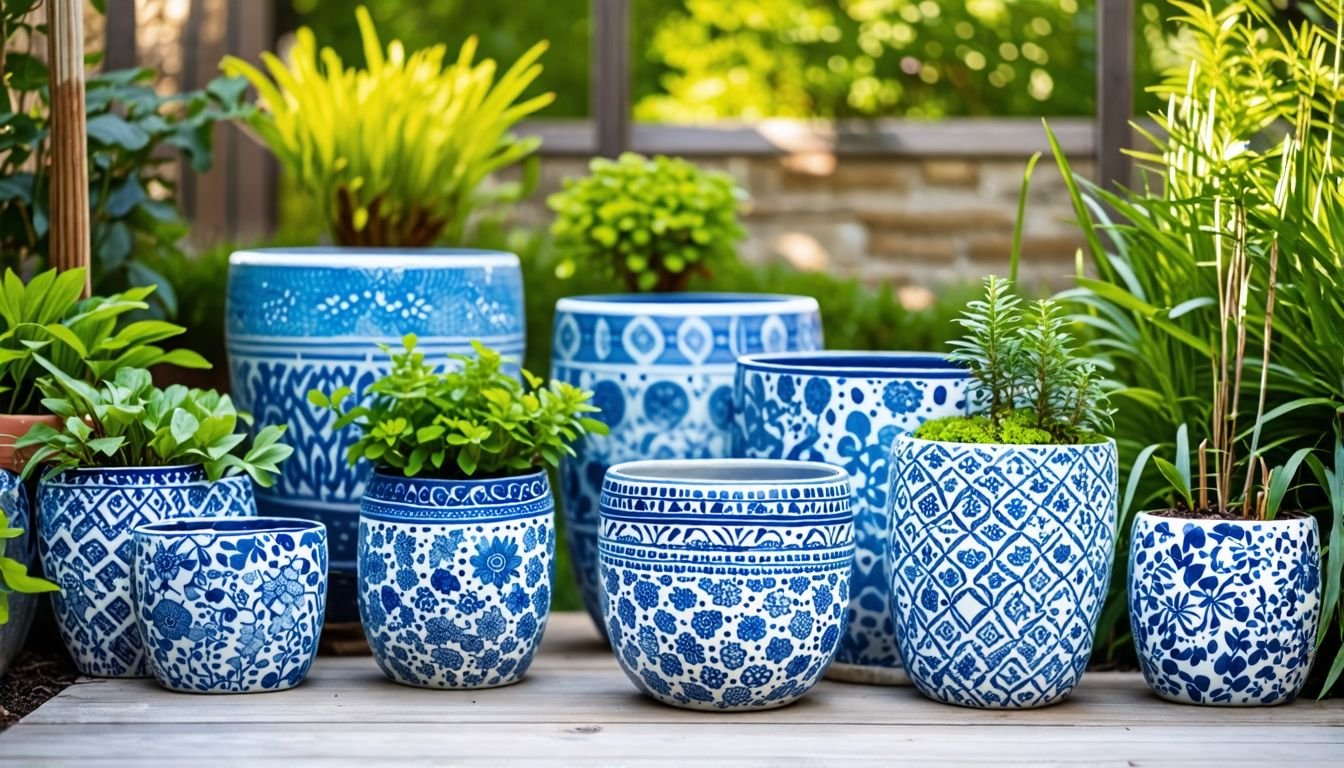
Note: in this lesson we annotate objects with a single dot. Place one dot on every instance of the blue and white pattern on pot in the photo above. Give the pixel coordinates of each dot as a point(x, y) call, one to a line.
point(85, 518)
point(725, 598)
point(1001, 558)
point(846, 408)
point(660, 367)
point(310, 318)
point(455, 577)
point(1225, 612)
point(230, 606)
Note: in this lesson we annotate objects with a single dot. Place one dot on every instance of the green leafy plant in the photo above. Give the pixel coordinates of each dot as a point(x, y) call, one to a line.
point(396, 152)
point(135, 136)
point(90, 339)
point(473, 421)
point(13, 574)
point(1034, 388)
point(128, 422)
point(651, 223)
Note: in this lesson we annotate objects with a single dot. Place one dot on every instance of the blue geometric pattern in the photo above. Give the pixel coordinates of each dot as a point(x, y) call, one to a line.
point(847, 409)
point(312, 318)
point(725, 596)
point(1225, 611)
point(1001, 557)
point(230, 606)
point(85, 517)
point(661, 369)
point(455, 577)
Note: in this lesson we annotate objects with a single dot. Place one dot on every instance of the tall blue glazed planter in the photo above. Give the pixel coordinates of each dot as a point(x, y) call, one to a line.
point(661, 369)
point(85, 523)
point(314, 317)
point(455, 577)
point(847, 408)
point(1001, 557)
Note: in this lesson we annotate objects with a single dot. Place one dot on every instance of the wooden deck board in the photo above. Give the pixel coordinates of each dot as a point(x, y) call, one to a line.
point(576, 705)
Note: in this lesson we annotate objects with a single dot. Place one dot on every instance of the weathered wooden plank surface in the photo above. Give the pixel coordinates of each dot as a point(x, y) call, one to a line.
point(576, 705)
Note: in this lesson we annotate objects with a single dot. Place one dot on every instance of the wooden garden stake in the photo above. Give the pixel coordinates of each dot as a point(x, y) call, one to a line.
point(70, 246)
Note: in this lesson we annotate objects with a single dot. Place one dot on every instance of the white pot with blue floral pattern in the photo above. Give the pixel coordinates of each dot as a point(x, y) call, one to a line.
point(725, 581)
point(85, 518)
point(660, 366)
point(455, 577)
point(230, 605)
point(846, 408)
point(306, 318)
point(1000, 562)
point(1225, 612)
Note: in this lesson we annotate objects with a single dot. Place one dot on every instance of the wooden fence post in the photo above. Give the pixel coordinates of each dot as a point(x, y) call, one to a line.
point(69, 202)
point(1115, 90)
point(610, 67)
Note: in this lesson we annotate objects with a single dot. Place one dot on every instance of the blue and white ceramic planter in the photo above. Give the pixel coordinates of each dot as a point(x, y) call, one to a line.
point(85, 518)
point(725, 582)
point(847, 408)
point(455, 577)
point(314, 317)
point(1001, 557)
point(230, 605)
point(1225, 612)
point(21, 549)
point(661, 369)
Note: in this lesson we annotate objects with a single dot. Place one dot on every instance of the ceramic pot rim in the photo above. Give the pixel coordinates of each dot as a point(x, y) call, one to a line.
point(728, 473)
point(686, 304)
point(856, 364)
point(1304, 519)
point(373, 258)
point(1005, 447)
point(394, 476)
point(156, 470)
point(226, 527)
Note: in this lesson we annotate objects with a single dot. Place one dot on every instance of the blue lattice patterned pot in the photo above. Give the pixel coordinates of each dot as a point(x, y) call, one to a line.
point(85, 519)
point(847, 408)
point(22, 549)
point(725, 581)
point(1001, 557)
point(661, 369)
point(309, 318)
point(1225, 612)
point(230, 605)
point(455, 577)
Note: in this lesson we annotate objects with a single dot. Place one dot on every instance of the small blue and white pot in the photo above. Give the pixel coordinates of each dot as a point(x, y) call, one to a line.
point(230, 605)
point(661, 368)
point(1001, 557)
point(455, 577)
point(1225, 612)
point(305, 318)
point(85, 518)
point(725, 581)
point(846, 408)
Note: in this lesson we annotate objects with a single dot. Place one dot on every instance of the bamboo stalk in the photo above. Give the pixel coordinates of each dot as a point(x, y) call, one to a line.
point(69, 202)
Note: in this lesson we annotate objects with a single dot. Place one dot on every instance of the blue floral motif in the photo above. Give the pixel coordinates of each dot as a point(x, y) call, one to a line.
point(1225, 612)
point(903, 396)
point(468, 550)
point(230, 605)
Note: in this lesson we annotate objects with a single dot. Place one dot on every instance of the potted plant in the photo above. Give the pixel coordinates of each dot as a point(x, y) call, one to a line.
point(402, 169)
point(86, 339)
point(1003, 521)
point(660, 363)
point(457, 528)
point(127, 453)
point(18, 590)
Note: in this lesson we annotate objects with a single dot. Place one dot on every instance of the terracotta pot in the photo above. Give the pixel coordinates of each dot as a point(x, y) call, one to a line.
point(14, 426)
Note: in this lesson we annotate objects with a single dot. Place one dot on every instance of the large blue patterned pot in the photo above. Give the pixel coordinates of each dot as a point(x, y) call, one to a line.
point(1225, 611)
point(1001, 557)
point(455, 577)
point(314, 317)
point(661, 369)
point(21, 549)
point(847, 408)
point(725, 582)
point(230, 605)
point(85, 518)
